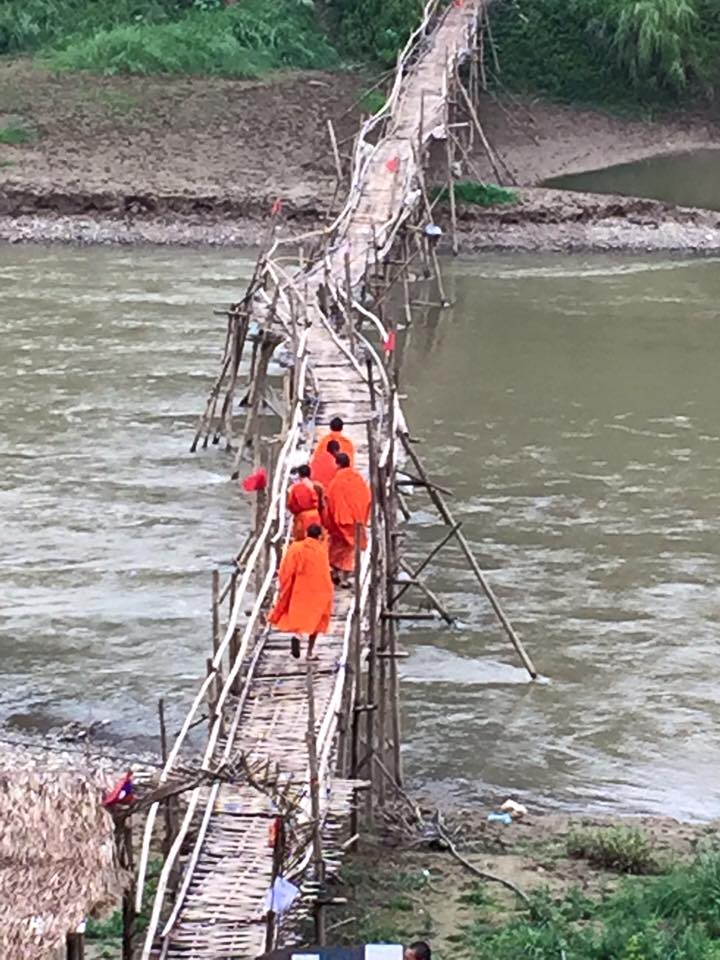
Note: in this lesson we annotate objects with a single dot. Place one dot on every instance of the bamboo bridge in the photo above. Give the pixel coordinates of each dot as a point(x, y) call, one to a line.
point(294, 753)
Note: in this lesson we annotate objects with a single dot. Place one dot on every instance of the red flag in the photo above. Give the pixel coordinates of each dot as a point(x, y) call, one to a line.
point(122, 793)
point(389, 344)
point(276, 207)
point(256, 481)
point(393, 164)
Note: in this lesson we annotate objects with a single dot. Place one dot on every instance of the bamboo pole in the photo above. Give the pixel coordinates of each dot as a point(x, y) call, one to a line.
point(356, 710)
point(371, 682)
point(215, 612)
point(428, 559)
point(319, 865)
point(442, 509)
point(451, 180)
point(128, 906)
point(432, 597)
point(233, 648)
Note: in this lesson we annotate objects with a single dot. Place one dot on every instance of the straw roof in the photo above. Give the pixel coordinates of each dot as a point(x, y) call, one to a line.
point(57, 853)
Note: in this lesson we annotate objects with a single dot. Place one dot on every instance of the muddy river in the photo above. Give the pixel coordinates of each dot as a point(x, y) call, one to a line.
point(690, 179)
point(570, 403)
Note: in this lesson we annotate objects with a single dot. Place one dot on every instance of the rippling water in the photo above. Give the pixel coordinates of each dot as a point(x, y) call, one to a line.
point(571, 404)
point(110, 527)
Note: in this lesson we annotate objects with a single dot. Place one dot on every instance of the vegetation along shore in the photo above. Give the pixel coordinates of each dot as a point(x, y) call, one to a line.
point(177, 122)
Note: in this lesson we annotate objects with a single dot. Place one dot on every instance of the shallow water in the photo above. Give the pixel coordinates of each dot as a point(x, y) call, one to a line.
point(690, 179)
point(570, 403)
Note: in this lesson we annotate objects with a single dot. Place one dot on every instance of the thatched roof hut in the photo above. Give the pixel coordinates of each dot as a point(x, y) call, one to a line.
point(58, 862)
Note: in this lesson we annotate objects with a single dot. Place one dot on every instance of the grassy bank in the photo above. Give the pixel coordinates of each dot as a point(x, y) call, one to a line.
point(594, 892)
point(166, 36)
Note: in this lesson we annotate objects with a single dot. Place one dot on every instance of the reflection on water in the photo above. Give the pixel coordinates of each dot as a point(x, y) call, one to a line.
point(570, 403)
point(689, 179)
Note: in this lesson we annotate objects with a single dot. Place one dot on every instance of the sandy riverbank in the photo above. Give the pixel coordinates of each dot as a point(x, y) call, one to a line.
point(199, 162)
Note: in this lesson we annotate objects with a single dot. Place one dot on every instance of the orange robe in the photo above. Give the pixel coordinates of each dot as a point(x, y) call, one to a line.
point(305, 599)
point(346, 444)
point(323, 466)
point(304, 502)
point(347, 503)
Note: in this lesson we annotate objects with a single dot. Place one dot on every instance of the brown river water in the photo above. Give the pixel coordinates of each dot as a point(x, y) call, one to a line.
point(571, 403)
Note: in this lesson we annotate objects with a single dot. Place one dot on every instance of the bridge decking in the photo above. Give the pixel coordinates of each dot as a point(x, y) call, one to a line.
point(219, 912)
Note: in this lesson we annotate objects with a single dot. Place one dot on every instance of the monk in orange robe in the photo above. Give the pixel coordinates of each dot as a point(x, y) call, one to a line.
point(305, 598)
point(348, 502)
point(323, 465)
point(336, 433)
point(305, 502)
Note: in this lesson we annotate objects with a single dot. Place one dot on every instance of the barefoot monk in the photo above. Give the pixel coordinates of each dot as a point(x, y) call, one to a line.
point(305, 597)
point(347, 503)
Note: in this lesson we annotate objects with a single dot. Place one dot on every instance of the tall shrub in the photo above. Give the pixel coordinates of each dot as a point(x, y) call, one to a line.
point(654, 41)
point(376, 29)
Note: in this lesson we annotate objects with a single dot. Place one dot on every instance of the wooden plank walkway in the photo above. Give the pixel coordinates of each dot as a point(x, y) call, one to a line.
point(220, 908)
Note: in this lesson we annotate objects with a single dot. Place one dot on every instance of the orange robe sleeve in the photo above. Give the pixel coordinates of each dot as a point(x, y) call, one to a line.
point(286, 577)
point(348, 500)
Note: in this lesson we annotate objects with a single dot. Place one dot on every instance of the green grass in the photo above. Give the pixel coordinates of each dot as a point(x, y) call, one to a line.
point(16, 136)
point(672, 917)
point(373, 101)
point(29, 25)
point(622, 849)
point(109, 932)
point(478, 194)
point(239, 41)
point(167, 36)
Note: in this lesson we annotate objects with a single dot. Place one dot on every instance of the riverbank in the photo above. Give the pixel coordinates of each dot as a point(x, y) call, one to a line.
point(541, 221)
point(192, 161)
point(559, 866)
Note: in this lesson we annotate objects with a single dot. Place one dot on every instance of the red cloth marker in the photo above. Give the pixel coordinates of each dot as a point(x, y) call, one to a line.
point(389, 344)
point(393, 164)
point(276, 207)
point(256, 481)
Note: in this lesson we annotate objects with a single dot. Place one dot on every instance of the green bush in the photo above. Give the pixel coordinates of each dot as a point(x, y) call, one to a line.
point(623, 849)
point(673, 917)
point(15, 136)
point(29, 25)
point(376, 29)
point(622, 52)
point(239, 41)
point(480, 194)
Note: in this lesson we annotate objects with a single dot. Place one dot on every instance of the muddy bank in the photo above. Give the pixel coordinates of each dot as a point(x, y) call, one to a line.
point(195, 161)
point(539, 140)
point(541, 220)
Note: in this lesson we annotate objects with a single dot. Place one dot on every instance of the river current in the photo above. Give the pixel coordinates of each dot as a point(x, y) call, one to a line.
point(571, 405)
